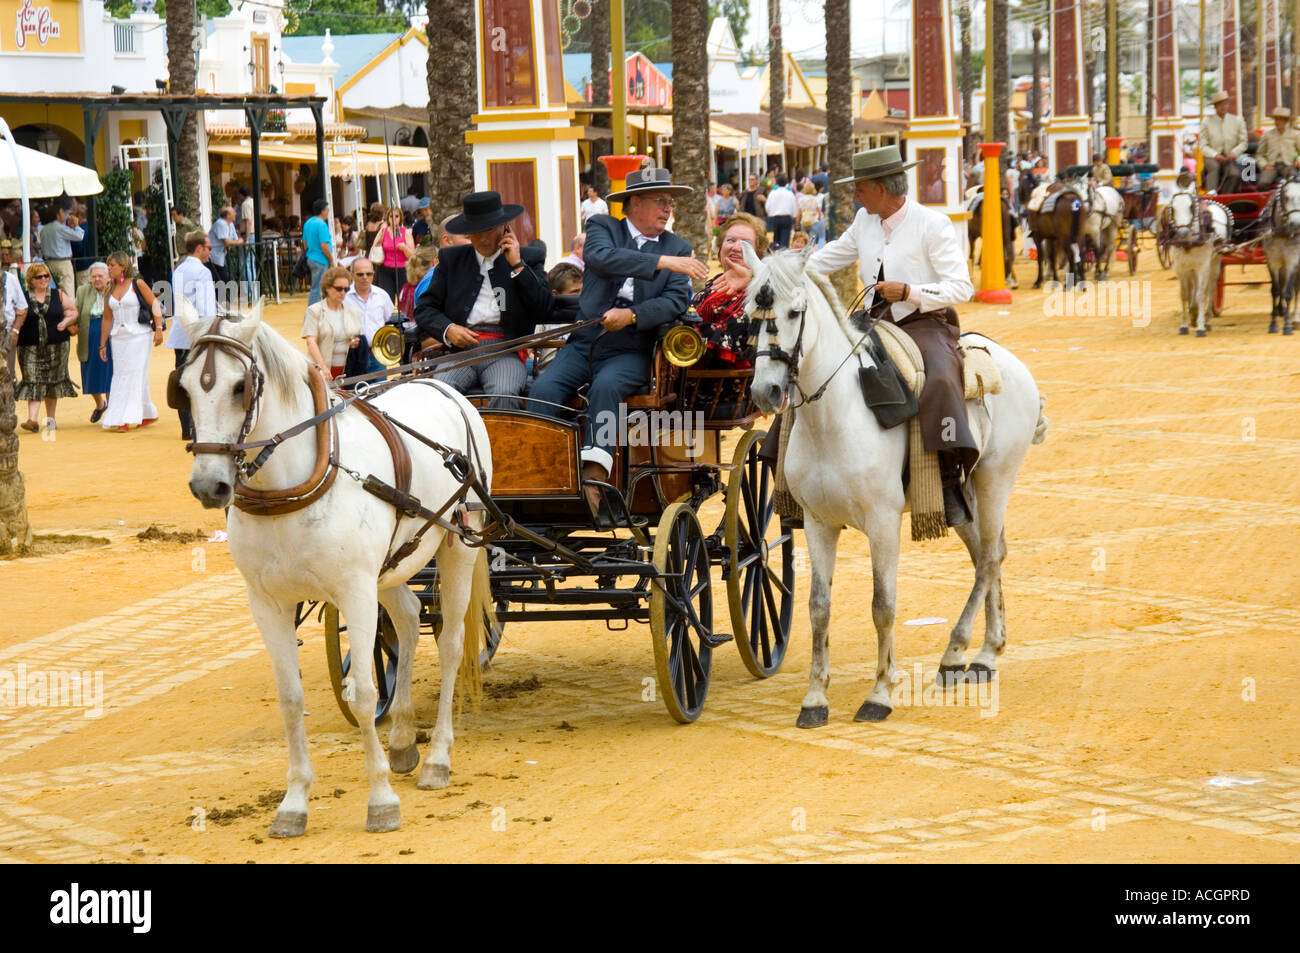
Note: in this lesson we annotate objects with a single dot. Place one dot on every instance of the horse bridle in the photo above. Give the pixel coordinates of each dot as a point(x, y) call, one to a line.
point(207, 345)
point(1288, 227)
point(775, 352)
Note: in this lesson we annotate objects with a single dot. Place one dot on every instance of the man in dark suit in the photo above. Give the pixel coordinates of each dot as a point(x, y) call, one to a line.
point(637, 277)
point(483, 292)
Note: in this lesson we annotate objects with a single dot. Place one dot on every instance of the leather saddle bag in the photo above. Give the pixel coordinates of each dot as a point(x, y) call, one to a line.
point(884, 389)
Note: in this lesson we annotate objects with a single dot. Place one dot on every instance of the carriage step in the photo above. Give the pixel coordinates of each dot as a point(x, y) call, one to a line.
point(714, 639)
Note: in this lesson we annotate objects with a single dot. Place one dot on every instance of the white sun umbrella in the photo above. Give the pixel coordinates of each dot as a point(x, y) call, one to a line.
point(27, 173)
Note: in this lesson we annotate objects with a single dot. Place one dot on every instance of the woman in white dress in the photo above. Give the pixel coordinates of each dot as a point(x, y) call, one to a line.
point(136, 327)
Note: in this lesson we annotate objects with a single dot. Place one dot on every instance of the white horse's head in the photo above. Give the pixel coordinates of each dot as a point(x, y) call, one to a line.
point(777, 301)
point(1185, 217)
point(221, 384)
point(1286, 210)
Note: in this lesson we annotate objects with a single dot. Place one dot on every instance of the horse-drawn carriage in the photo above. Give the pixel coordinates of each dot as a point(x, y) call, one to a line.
point(551, 559)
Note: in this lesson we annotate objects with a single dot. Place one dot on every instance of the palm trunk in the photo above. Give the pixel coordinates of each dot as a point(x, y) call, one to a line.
point(1001, 83)
point(776, 73)
point(1151, 77)
point(839, 134)
point(180, 71)
point(691, 119)
point(453, 100)
point(1036, 96)
point(15, 531)
point(967, 81)
point(600, 94)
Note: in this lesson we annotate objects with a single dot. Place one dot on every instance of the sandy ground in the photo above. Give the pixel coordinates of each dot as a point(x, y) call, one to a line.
point(1148, 591)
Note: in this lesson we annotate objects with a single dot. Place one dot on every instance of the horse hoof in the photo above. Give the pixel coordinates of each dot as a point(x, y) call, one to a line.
point(813, 717)
point(403, 760)
point(872, 711)
point(979, 672)
point(1200, 334)
point(289, 824)
point(949, 675)
point(1182, 330)
point(386, 817)
point(1272, 329)
point(434, 777)
point(1287, 331)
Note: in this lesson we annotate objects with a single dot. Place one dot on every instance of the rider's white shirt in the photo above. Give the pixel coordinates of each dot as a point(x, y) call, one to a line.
point(920, 248)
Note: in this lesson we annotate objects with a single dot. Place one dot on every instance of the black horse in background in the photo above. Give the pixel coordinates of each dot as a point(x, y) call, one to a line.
point(976, 225)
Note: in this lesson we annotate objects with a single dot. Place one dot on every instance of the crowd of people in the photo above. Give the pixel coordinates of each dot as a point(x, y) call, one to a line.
point(464, 280)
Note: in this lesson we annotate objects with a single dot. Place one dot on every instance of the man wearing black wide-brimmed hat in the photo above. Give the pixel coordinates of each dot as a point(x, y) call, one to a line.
point(912, 264)
point(483, 292)
point(637, 278)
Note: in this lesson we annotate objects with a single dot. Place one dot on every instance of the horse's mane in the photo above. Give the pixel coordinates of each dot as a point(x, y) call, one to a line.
point(785, 274)
point(279, 361)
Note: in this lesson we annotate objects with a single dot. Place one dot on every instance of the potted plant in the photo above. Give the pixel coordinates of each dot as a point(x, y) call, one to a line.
point(275, 121)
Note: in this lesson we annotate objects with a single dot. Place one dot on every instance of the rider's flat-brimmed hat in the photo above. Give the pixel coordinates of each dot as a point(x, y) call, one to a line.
point(482, 211)
point(1281, 112)
point(876, 163)
point(1219, 97)
point(648, 180)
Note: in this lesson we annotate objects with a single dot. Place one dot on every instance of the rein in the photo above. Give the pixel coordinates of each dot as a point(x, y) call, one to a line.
point(767, 318)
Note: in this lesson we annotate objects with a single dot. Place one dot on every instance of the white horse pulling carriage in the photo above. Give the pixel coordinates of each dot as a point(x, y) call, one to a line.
point(388, 515)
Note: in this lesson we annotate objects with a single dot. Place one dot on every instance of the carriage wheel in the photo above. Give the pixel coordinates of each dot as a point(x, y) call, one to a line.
point(1220, 289)
point(760, 580)
point(340, 661)
point(681, 613)
point(1162, 252)
point(1132, 250)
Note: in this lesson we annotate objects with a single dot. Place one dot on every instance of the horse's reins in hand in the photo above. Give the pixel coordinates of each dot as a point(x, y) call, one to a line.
point(456, 359)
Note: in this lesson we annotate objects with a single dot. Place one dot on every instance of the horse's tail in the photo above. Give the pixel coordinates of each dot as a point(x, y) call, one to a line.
point(480, 616)
point(1040, 428)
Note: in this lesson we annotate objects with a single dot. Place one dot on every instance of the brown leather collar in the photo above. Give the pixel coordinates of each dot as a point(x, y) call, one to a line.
point(278, 502)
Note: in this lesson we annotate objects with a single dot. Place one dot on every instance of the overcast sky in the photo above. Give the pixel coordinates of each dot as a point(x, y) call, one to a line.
point(804, 30)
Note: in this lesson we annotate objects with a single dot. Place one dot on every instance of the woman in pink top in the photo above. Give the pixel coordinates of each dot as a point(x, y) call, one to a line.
point(398, 245)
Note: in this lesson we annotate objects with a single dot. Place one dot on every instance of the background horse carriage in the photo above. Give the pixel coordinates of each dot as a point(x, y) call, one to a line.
point(552, 561)
point(1263, 230)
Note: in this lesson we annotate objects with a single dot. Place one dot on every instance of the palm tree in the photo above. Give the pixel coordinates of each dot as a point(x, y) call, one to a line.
point(776, 73)
point(839, 132)
point(691, 119)
point(181, 67)
point(1036, 94)
point(15, 531)
point(1001, 83)
point(966, 84)
point(453, 99)
point(600, 95)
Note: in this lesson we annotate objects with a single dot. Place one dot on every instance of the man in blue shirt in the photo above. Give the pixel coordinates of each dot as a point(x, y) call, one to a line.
point(222, 236)
point(56, 248)
point(192, 281)
point(320, 246)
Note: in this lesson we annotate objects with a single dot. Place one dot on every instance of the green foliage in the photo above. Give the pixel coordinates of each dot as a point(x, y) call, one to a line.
point(122, 9)
point(314, 17)
point(113, 217)
point(156, 245)
point(219, 200)
point(648, 25)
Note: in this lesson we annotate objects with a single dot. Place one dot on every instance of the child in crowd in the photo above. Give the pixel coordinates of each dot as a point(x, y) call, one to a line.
point(566, 285)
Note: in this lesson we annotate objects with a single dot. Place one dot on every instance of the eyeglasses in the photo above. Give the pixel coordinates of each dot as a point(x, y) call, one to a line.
point(341, 289)
point(363, 274)
point(38, 277)
point(663, 201)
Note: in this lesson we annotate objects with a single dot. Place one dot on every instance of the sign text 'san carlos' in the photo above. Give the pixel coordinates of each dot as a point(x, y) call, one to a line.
point(37, 22)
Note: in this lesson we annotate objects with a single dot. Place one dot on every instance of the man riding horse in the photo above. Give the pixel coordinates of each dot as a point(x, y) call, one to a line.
point(912, 265)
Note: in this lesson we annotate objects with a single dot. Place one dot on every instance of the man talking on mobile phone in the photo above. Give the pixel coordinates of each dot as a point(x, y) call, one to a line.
point(484, 292)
